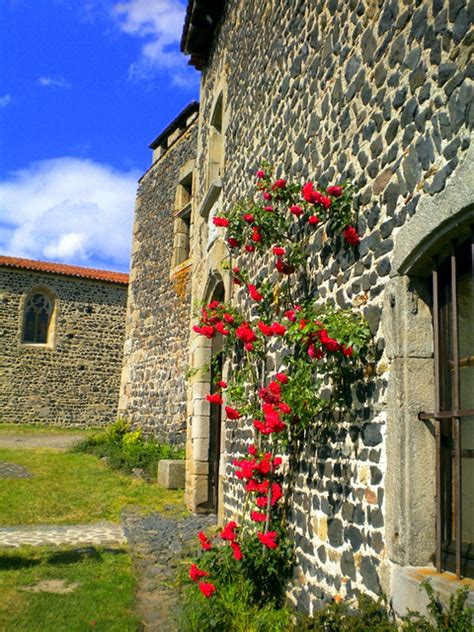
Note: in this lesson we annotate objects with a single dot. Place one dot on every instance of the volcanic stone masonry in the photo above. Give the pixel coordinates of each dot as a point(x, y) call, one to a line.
point(153, 388)
point(379, 93)
point(73, 380)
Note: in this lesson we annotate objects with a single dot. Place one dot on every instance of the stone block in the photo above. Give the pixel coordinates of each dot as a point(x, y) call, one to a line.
point(171, 474)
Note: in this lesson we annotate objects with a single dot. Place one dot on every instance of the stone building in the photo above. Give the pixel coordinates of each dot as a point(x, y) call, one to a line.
point(153, 389)
point(379, 93)
point(61, 333)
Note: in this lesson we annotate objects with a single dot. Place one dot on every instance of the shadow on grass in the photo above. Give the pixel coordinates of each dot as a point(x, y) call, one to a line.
point(58, 558)
point(15, 562)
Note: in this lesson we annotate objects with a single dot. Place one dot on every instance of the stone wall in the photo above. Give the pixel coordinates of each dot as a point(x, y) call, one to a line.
point(153, 388)
point(75, 380)
point(379, 93)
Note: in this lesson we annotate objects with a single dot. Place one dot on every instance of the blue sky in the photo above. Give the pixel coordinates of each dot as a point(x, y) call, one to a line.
point(85, 86)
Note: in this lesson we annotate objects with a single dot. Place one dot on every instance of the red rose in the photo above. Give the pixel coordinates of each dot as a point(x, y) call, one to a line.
point(308, 192)
point(335, 190)
point(351, 236)
point(279, 251)
point(254, 293)
point(282, 378)
point(266, 330)
point(220, 221)
point(252, 450)
point(325, 201)
point(249, 248)
point(228, 318)
point(207, 589)
point(283, 267)
point(196, 574)
point(228, 532)
point(215, 398)
point(233, 243)
point(268, 208)
point(313, 219)
point(268, 539)
point(256, 236)
point(245, 333)
point(221, 384)
point(284, 408)
point(236, 270)
point(236, 550)
point(296, 210)
point(248, 346)
point(205, 542)
point(266, 196)
point(258, 516)
point(278, 330)
point(260, 174)
point(279, 184)
point(248, 217)
point(347, 351)
point(221, 329)
point(232, 413)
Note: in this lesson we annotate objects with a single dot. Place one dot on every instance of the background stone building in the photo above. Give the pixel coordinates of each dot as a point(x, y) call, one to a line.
point(61, 340)
point(153, 387)
point(379, 93)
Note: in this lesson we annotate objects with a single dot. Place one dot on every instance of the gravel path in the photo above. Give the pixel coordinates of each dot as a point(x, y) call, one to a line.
point(34, 441)
point(157, 545)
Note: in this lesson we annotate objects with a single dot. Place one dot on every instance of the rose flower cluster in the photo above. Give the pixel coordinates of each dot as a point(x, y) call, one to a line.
point(269, 221)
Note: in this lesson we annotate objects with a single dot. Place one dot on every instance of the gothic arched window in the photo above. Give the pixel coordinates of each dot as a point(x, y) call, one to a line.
point(37, 318)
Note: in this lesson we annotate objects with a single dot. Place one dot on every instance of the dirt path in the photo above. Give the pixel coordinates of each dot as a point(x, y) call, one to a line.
point(44, 440)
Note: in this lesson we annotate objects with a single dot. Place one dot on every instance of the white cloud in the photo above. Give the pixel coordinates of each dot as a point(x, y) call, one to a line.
point(68, 209)
point(160, 23)
point(5, 100)
point(54, 82)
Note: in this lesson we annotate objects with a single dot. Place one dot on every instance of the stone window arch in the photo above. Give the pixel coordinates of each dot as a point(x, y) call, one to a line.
point(38, 317)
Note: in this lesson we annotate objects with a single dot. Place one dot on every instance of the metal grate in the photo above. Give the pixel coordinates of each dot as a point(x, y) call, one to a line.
point(446, 335)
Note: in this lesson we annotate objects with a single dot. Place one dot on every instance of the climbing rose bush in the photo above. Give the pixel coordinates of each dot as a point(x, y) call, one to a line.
point(318, 351)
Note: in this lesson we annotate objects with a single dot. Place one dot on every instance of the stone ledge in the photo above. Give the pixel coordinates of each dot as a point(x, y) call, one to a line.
point(171, 474)
point(408, 595)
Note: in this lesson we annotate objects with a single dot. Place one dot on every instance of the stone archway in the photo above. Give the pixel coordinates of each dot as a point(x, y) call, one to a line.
point(205, 434)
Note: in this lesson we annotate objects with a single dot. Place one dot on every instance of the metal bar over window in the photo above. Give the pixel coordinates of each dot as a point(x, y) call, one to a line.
point(437, 421)
point(456, 420)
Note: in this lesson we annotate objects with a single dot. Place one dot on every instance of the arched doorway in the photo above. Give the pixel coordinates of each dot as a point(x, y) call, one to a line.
point(205, 434)
point(215, 413)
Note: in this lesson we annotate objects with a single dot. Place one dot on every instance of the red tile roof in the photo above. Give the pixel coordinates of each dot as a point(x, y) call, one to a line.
point(62, 268)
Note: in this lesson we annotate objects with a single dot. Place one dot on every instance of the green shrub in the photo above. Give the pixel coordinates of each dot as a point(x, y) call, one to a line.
point(456, 617)
point(231, 610)
point(127, 450)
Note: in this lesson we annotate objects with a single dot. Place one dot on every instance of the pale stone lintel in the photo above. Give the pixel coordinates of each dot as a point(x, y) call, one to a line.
point(407, 594)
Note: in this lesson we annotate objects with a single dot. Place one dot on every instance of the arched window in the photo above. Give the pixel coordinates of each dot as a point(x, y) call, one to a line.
point(37, 318)
point(453, 318)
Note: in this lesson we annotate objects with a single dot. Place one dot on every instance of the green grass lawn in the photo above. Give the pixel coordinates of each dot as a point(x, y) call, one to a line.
point(38, 429)
point(102, 595)
point(69, 488)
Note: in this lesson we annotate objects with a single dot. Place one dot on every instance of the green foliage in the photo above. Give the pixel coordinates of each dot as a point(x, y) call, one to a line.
point(369, 615)
point(232, 609)
point(456, 617)
point(126, 449)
